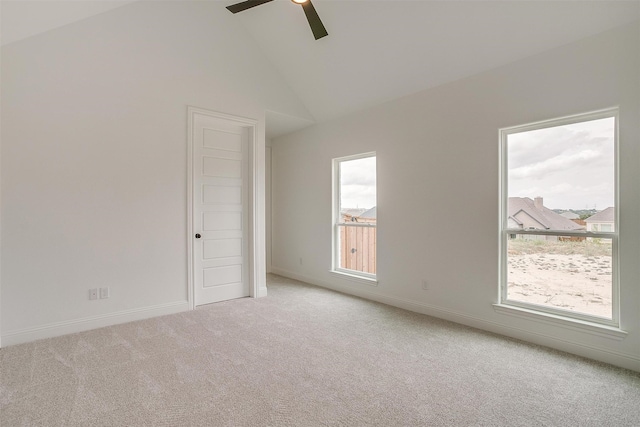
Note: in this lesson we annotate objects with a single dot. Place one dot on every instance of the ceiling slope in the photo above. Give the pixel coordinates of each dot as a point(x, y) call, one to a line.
point(380, 50)
point(25, 18)
point(376, 50)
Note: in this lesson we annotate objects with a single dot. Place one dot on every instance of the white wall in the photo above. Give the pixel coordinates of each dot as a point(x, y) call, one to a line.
point(0, 179)
point(437, 160)
point(94, 127)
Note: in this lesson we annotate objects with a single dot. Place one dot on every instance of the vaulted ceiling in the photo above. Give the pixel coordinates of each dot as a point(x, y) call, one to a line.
point(376, 50)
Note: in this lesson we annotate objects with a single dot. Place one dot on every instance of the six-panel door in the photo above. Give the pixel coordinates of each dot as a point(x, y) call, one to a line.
point(220, 187)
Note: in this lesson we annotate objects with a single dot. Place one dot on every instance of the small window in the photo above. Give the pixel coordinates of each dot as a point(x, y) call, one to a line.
point(551, 263)
point(355, 215)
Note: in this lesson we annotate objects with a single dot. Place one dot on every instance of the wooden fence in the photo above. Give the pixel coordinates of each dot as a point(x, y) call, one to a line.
point(358, 248)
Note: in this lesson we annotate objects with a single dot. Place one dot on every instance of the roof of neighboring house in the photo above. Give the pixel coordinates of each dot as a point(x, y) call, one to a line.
point(570, 215)
point(606, 215)
point(352, 211)
point(546, 217)
point(369, 214)
point(516, 220)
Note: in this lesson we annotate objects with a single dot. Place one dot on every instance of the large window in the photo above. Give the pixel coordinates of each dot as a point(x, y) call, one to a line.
point(355, 215)
point(559, 217)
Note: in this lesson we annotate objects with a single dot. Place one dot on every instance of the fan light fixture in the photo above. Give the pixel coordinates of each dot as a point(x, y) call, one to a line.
point(317, 27)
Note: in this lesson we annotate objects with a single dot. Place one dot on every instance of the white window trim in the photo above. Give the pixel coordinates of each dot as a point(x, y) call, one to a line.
point(574, 324)
point(504, 304)
point(357, 276)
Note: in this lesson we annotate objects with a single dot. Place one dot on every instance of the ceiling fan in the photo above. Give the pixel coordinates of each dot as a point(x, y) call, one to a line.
point(312, 16)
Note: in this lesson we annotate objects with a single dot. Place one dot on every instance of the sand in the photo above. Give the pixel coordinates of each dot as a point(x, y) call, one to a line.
point(571, 282)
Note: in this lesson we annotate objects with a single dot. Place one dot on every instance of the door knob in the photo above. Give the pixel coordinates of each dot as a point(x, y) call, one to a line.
point(198, 235)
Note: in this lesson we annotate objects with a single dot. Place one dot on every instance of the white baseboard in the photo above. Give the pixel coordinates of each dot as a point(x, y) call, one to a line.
point(87, 323)
point(624, 360)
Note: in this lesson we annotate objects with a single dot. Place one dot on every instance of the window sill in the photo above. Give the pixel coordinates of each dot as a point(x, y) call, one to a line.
point(355, 278)
point(574, 324)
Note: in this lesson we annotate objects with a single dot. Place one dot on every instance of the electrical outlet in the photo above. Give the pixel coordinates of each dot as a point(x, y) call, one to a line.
point(104, 293)
point(425, 285)
point(93, 293)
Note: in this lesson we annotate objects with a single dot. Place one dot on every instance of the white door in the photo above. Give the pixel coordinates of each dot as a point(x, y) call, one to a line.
point(220, 213)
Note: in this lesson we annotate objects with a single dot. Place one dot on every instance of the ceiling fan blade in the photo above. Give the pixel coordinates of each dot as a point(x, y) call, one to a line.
point(239, 7)
point(314, 20)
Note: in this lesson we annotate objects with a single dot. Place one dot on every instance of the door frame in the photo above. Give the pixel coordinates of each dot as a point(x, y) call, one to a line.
point(251, 126)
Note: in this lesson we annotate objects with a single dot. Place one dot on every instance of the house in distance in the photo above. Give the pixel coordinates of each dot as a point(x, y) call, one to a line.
point(528, 214)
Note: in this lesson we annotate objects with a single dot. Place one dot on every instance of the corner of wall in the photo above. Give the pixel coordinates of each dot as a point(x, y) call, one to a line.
point(93, 322)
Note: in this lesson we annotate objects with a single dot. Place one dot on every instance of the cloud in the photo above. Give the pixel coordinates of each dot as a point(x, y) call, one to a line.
point(570, 166)
point(559, 163)
point(358, 172)
point(358, 196)
point(358, 183)
point(537, 145)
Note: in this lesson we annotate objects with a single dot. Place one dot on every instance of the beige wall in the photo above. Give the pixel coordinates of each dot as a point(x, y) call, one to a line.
point(94, 167)
point(438, 196)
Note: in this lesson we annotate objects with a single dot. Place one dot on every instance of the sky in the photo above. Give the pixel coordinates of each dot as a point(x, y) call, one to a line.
point(358, 183)
point(569, 166)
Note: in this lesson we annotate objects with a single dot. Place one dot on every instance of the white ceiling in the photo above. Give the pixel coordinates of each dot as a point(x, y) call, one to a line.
point(26, 18)
point(376, 50)
point(380, 50)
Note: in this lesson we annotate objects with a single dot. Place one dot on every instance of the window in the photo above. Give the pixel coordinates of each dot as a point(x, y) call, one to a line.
point(550, 263)
point(355, 215)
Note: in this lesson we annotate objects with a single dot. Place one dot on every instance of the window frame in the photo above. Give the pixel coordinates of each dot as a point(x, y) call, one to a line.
point(336, 224)
point(505, 232)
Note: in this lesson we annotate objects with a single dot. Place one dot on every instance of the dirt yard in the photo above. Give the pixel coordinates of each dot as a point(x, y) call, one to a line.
point(574, 276)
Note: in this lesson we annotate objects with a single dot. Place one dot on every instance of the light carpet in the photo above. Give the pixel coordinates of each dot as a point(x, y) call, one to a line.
point(306, 356)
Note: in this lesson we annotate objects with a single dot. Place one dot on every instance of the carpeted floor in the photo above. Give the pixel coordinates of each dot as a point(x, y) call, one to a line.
point(306, 356)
